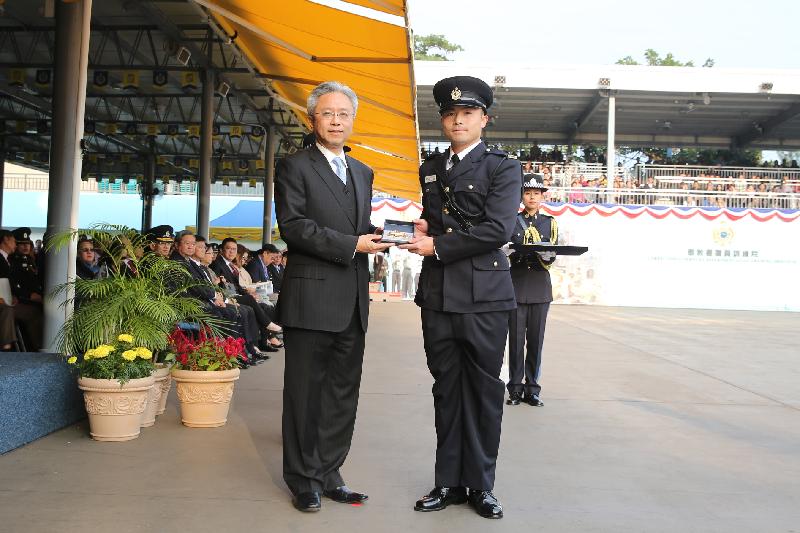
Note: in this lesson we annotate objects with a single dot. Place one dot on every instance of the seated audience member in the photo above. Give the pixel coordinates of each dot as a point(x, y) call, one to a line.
point(276, 270)
point(225, 267)
point(160, 239)
point(87, 265)
point(258, 268)
point(238, 324)
point(26, 301)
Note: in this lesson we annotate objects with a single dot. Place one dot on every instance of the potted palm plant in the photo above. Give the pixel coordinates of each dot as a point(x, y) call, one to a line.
point(143, 295)
point(205, 370)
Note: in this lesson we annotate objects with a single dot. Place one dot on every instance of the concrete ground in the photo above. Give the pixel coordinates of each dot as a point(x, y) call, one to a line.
point(654, 420)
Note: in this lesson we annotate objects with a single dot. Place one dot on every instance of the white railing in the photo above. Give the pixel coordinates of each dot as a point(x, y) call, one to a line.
point(596, 195)
point(757, 174)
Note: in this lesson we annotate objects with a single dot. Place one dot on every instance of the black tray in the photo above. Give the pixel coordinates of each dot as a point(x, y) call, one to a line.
point(559, 249)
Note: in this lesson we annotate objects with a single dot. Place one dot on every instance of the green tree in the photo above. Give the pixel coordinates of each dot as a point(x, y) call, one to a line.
point(433, 48)
point(654, 59)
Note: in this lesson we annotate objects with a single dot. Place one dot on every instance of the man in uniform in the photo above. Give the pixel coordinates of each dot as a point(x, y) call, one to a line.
point(531, 277)
point(26, 287)
point(470, 199)
point(161, 239)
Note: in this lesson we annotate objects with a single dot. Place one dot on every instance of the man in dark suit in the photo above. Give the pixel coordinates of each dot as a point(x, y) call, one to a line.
point(276, 270)
point(258, 267)
point(225, 268)
point(531, 277)
point(470, 197)
point(323, 205)
point(26, 286)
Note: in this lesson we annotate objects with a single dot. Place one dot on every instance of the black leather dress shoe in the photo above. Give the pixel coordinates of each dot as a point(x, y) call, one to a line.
point(485, 504)
point(345, 495)
point(441, 497)
point(307, 502)
point(532, 400)
point(514, 398)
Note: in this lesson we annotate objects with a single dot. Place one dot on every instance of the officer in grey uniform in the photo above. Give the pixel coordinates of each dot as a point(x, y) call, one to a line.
point(470, 196)
point(531, 277)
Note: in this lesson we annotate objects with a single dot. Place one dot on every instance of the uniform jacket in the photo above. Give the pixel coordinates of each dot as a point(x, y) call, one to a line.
point(24, 277)
point(530, 273)
point(471, 274)
point(320, 220)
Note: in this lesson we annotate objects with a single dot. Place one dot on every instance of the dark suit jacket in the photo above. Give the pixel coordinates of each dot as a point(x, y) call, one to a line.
point(277, 275)
point(323, 281)
point(221, 268)
point(471, 274)
point(204, 293)
point(256, 271)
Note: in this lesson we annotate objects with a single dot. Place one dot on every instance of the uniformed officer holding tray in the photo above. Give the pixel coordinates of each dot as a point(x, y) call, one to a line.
point(531, 277)
point(470, 198)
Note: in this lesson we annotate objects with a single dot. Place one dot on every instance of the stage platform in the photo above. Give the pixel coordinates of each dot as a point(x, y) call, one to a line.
point(655, 420)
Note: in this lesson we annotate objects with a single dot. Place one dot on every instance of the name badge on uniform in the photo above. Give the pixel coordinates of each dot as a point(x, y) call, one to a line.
point(430, 179)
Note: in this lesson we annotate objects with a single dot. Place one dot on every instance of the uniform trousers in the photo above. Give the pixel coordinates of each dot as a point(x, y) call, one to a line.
point(526, 326)
point(321, 381)
point(465, 354)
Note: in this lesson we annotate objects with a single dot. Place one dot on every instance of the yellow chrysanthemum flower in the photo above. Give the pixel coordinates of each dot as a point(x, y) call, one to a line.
point(72, 360)
point(144, 353)
point(125, 338)
point(129, 355)
point(103, 350)
point(89, 354)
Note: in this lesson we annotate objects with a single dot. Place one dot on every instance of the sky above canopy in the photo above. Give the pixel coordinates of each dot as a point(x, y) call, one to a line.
point(747, 35)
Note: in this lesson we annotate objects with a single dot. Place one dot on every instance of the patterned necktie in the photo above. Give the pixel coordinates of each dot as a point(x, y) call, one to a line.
point(341, 170)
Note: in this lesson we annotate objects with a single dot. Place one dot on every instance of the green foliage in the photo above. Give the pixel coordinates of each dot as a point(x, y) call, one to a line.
point(121, 360)
point(654, 59)
point(424, 46)
point(147, 305)
point(694, 156)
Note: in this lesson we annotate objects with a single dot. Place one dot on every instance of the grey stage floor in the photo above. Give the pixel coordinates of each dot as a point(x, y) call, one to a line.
point(655, 420)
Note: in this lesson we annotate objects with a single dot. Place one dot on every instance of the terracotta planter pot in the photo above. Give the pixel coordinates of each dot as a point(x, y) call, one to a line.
point(154, 399)
point(151, 407)
point(115, 412)
point(205, 396)
point(165, 384)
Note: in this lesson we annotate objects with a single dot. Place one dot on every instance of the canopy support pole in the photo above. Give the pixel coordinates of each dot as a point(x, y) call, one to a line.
point(269, 182)
point(611, 163)
point(73, 21)
point(206, 153)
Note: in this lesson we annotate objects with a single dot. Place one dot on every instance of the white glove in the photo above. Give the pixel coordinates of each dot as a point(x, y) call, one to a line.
point(547, 256)
point(506, 249)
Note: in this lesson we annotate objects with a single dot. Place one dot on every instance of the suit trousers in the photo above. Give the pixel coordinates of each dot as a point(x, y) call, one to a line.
point(321, 381)
point(465, 354)
point(526, 325)
point(30, 318)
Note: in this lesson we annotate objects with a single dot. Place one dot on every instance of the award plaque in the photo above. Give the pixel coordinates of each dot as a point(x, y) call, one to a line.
point(559, 249)
point(397, 231)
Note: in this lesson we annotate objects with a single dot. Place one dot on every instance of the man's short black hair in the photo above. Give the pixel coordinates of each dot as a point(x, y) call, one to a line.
point(268, 248)
point(199, 238)
point(226, 240)
point(4, 233)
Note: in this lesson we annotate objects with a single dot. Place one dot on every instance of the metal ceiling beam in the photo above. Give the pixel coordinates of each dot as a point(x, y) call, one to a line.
point(760, 130)
point(593, 105)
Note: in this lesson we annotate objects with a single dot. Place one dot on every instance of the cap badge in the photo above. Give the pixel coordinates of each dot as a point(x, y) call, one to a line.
point(456, 94)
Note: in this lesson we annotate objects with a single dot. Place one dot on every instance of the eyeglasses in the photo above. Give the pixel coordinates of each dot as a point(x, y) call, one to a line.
point(328, 115)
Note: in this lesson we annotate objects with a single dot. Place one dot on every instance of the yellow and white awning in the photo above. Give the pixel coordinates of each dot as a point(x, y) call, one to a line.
point(298, 44)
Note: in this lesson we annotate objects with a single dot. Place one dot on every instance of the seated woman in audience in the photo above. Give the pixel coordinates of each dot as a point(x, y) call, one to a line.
point(87, 265)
